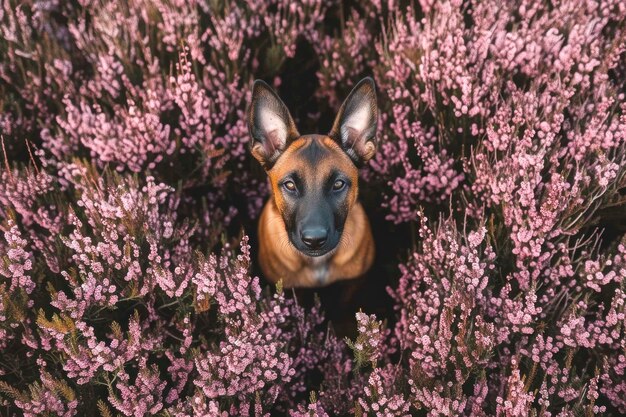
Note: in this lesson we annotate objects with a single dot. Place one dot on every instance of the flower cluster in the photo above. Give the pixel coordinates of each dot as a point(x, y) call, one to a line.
point(369, 345)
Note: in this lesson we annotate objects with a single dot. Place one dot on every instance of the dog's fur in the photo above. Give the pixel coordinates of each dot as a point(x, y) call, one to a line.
point(313, 231)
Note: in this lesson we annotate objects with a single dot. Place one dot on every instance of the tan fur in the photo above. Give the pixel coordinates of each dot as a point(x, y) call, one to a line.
point(279, 259)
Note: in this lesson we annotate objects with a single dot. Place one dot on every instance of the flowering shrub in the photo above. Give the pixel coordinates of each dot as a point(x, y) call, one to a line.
point(127, 284)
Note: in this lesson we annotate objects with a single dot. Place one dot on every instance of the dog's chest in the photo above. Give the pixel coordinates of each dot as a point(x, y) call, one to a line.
point(320, 269)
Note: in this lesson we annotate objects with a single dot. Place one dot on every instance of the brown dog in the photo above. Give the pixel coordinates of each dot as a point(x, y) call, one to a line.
point(313, 231)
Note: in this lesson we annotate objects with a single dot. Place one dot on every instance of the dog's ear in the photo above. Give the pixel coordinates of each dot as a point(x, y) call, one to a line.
point(355, 125)
point(270, 124)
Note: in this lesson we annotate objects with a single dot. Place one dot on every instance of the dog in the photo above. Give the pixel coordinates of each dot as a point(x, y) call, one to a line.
point(313, 231)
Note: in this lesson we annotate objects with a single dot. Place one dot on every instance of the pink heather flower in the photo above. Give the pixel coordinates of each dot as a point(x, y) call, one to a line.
point(313, 410)
point(143, 397)
point(376, 398)
point(17, 262)
point(49, 396)
point(369, 344)
point(516, 401)
point(252, 355)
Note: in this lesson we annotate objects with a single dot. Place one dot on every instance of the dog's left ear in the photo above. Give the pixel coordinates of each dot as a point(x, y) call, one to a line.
point(355, 125)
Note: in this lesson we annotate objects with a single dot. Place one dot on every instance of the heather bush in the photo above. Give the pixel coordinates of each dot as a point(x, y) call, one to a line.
point(498, 195)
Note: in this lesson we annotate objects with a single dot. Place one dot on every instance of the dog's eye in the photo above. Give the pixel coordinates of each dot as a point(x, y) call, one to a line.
point(289, 185)
point(338, 185)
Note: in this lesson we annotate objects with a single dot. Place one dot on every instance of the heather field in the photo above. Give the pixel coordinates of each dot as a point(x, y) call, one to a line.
point(129, 201)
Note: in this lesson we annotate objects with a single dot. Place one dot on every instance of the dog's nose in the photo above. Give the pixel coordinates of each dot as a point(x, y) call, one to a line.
point(314, 238)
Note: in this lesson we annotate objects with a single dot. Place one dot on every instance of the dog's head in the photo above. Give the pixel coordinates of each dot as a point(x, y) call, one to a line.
point(314, 178)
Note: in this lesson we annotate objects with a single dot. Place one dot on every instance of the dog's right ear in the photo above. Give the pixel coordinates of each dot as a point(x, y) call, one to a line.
point(270, 124)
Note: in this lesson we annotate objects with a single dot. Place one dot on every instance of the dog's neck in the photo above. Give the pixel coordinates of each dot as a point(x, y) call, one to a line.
point(279, 259)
